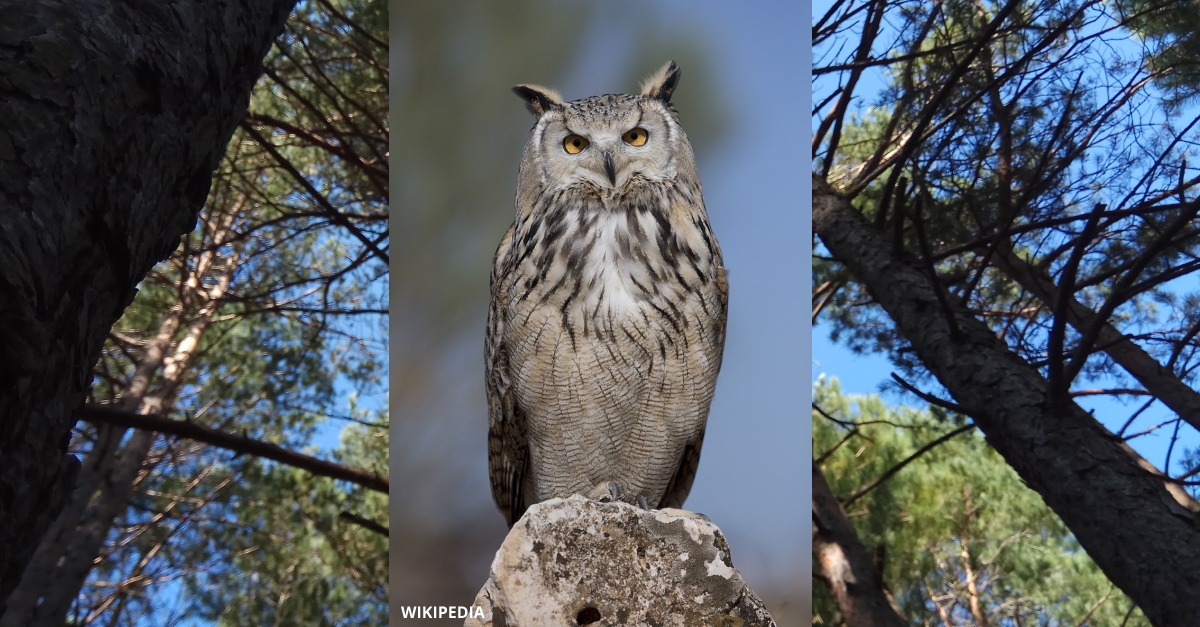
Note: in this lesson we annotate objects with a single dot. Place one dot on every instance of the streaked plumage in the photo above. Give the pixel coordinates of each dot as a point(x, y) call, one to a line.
point(609, 299)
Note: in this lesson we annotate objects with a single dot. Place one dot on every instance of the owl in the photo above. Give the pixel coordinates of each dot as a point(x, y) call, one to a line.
point(608, 307)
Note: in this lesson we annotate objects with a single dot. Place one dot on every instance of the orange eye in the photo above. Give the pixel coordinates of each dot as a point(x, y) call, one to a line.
point(636, 137)
point(574, 144)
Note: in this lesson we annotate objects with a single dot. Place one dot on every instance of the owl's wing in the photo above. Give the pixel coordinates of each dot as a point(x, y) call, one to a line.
point(508, 444)
point(681, 484)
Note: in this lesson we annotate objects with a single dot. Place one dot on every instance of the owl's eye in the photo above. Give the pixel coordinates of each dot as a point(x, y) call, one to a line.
point(574, 144)
point(636, 137)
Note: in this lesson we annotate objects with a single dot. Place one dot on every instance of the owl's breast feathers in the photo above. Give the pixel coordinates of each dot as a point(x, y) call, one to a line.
point(605, 336)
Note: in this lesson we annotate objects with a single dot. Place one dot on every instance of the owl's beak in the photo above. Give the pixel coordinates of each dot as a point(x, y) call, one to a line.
point(608, 167)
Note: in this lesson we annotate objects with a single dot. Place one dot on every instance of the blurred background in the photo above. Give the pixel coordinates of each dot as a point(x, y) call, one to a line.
point(457, 136)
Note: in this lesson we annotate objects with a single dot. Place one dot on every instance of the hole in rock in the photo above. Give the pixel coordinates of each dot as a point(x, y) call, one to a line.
point(587, 616)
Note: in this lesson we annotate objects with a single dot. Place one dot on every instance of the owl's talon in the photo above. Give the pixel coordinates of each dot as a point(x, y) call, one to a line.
point(605, 492)
point(642, 502)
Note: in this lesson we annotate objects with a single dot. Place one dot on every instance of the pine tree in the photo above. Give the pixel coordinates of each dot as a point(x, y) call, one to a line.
point(961, 541)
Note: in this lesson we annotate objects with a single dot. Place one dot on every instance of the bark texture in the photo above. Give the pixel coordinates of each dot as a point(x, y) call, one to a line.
point(845, 565)
point(113, 116)
point(1142, 530)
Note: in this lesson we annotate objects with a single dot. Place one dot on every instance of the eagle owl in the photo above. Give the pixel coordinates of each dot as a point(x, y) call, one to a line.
point(609, 299)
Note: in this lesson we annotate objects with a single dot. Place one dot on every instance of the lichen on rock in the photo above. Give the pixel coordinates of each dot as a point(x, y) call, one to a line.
point(576, 561)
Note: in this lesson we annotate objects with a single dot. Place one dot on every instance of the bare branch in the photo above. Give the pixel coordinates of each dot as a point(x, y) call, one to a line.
point(317, 196)
point(100, 415)
point(365, 523)
point(863, 491)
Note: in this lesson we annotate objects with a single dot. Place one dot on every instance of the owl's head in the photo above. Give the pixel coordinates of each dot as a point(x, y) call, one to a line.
point(607, 141)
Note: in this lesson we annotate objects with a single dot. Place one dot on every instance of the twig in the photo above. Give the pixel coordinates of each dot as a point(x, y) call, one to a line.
point(939, 290)
point(365, 523)
point(929, 398)
point(895, 469)
point(317, 196)
point(1083, 621)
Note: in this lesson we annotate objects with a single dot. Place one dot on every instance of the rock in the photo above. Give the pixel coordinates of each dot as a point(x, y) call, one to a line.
point(576, 561)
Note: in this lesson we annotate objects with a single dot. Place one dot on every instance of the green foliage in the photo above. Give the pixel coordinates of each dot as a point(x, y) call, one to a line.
point(1170, 32)
point(294, 560)
point(1025, 560)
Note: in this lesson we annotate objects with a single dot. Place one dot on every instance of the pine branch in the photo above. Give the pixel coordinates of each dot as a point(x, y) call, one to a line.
point(365, 523)
point(243, 445)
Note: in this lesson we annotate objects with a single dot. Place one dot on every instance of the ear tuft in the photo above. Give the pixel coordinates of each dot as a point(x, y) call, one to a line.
point(661, 85)
point(538, 99)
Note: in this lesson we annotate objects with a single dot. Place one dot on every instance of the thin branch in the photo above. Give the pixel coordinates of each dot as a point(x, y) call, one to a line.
point(929, 398)
point(317, 196)
point(365, 523)
point(1119, 291)
point(1110, 392)
point(820, 459)
point(101, 415)
point(354, 24)
point(1066, 293)
point(938, 288)
point(1083, 621)
point(911, 458)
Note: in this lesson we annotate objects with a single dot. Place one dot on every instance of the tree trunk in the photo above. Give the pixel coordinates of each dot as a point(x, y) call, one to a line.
point(844, 564)
point(113, 116)
point(1142, 530)
point(60, 566)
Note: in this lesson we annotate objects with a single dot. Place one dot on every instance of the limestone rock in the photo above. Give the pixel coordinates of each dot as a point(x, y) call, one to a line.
point(575, 561)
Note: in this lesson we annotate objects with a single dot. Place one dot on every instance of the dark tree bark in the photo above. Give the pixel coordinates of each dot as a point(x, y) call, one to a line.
point(845, 565)
point(113, 116)
point(1139, 527)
